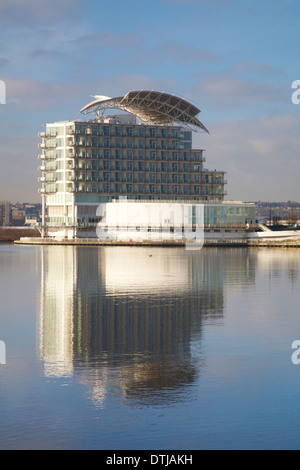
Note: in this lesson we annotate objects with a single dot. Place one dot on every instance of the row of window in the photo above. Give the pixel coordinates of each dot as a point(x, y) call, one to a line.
point(119, 143)
point(130, 166)
point(130, 131)
point(140, 189)
point(118, 154)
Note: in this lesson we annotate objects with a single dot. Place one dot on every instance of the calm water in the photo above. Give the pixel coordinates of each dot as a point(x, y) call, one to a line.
point(110, 348)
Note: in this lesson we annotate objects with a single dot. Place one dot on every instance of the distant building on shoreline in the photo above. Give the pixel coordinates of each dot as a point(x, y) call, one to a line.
point(5, 213)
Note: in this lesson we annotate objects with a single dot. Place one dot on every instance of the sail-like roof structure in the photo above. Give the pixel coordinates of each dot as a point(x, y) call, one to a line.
point(150, 107)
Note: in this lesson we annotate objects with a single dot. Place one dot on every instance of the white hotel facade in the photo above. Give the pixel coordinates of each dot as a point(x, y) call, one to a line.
point(143, 153)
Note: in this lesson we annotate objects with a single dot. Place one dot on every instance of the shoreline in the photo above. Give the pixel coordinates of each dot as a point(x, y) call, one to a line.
point(207, 243)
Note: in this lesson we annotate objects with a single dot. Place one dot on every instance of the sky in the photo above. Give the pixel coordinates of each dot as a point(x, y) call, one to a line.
point(235, 60)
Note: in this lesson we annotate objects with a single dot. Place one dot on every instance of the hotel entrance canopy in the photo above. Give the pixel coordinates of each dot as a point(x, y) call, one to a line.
point(150, 107)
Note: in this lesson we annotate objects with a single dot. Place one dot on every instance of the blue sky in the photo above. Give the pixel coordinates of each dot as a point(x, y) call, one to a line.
point(234, 59)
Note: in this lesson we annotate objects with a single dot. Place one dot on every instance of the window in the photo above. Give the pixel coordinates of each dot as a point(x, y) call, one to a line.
point(152, 131)
point(129, 166)
point(198, 156)
point(187, 135)
point(129, 131)
point(153, 177)
point(106, 176)
point(175, 178)
point(152, 144)
point(152, 188)
point(106, 165)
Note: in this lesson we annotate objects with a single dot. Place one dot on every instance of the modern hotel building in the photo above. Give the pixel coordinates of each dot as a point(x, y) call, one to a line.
point(144, 152)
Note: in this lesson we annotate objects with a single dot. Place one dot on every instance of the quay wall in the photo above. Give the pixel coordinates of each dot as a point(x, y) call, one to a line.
point(209, 243)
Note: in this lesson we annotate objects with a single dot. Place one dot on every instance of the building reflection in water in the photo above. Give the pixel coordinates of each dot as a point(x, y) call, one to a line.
point(123, 319)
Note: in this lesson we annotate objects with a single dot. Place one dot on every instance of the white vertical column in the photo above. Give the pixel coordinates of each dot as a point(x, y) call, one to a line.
point(65, 183)
point(43, 215)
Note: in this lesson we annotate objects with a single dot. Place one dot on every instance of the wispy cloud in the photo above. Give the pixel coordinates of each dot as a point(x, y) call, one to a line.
point(16, 13)
point(255, 152)
point(31, 94)
point(232, 92)
point(106, 39)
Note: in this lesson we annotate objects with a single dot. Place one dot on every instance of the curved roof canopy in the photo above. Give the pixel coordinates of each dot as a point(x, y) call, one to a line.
point(150, 107)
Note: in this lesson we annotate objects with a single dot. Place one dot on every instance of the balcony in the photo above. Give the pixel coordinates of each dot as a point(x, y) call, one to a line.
point(49, 145)
point(49, 169)
point(50, 134)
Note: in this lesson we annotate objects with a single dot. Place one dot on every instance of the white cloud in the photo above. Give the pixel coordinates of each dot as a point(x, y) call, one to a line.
point(261, 157)
point(230, 92)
